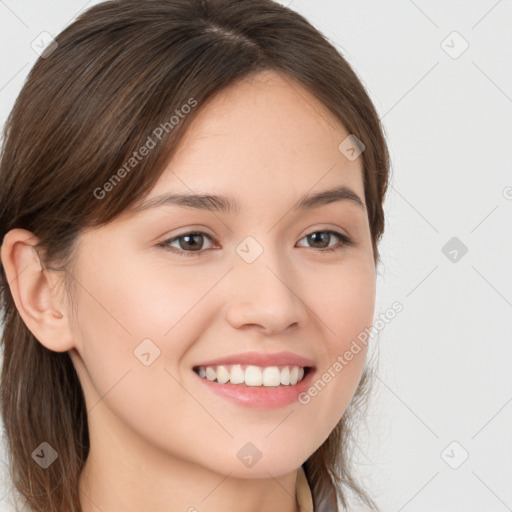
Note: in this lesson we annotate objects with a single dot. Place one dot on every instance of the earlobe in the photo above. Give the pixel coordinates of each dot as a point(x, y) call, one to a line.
point(33, 291)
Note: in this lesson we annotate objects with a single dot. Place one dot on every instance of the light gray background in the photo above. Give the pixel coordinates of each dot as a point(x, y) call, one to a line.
point(444, 371)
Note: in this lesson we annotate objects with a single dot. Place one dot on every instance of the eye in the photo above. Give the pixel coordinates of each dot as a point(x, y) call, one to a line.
point(325, 237)
point(188, 243)
point(192, 243)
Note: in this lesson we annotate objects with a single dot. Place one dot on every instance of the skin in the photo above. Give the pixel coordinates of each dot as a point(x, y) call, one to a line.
point(160, 440)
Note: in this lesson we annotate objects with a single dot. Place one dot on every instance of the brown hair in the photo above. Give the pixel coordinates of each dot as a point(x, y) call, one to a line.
point(118, 72)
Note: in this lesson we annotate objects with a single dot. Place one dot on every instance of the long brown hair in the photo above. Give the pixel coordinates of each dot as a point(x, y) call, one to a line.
point(118, 72)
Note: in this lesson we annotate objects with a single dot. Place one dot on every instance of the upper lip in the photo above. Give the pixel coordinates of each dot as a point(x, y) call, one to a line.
point(261, 359)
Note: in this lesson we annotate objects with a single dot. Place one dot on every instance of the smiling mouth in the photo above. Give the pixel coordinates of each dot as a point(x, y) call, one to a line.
point(253, 376)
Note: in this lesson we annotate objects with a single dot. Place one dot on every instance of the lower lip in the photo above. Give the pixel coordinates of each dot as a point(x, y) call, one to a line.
point(268, 397)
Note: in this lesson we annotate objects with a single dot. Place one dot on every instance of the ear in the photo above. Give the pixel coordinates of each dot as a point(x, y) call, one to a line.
point(34, 291)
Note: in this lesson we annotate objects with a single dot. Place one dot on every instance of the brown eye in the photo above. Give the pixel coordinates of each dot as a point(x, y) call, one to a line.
point(193, 242)
point(187, 243)
point(319, 239)
point(322, 240)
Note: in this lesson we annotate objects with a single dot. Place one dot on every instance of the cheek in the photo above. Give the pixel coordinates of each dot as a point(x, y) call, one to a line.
point(117, 317)
point(344, 308)
point(132, 314)
point(343, 300)
point(128, 302)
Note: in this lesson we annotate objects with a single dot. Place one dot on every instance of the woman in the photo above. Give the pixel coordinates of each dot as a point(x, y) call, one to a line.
point(191, 203)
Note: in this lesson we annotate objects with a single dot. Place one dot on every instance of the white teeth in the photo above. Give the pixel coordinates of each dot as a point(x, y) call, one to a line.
point(270, 376)
point(222, 374)
point(211, 374)
point(285, 376)
point(253, 376)
point(237, 374)
point(294, 375)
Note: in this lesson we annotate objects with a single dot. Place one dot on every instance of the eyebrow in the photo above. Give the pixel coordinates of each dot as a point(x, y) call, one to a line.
point(225, 204)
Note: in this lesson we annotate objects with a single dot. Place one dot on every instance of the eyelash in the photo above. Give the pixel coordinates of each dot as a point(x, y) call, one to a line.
point(345, 241)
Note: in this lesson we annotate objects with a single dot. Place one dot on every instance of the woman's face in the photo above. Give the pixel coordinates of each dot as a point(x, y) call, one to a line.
point(251, 281)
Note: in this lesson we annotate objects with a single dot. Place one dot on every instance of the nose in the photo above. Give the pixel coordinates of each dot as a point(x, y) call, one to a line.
point(266, 295)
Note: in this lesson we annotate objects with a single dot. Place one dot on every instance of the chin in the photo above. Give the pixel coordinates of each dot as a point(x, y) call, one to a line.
point(275, 464)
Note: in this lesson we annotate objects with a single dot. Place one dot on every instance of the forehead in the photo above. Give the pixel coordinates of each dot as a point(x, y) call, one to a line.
point(263, 138)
